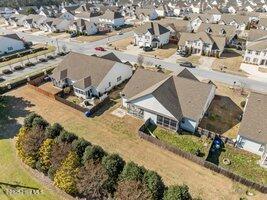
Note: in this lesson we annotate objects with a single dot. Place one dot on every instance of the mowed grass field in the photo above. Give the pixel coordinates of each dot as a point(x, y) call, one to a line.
point(119, 135)
point(13, 174)
point(16, 181)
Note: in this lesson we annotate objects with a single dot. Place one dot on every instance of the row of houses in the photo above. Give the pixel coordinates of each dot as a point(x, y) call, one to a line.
point(176, 101)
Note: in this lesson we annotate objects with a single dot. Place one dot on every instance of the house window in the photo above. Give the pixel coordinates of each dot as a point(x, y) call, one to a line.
point(257, 53)
point(147, 37)
point(261, 149)
point(249, 52)
point(10, 48)
point(159, 120)
point(247, 59)
point(109, 84)
point(119, 79)
point(241, 143)
point(166, 122)
point(255, 60)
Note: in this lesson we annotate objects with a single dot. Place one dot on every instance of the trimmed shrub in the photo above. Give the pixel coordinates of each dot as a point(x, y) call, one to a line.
point(132, 171)
point(177, 192)
point(65, 177)
point(65, 136)
point(29, 119)
point(94, 152)
point(45, 152)
point(154, 184)
point(91, 180)
point(243, 104)
point(53, 131)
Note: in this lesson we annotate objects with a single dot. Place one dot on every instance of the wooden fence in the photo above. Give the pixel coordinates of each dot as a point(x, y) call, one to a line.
point(202, 162)
point(212, 135)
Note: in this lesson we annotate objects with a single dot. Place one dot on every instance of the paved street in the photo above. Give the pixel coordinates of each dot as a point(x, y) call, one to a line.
point(88, 48)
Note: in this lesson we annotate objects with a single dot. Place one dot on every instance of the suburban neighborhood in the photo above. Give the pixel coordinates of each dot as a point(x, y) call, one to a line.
point(133, 100)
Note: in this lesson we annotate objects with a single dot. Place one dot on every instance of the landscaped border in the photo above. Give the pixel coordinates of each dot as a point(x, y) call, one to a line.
point(202, 162)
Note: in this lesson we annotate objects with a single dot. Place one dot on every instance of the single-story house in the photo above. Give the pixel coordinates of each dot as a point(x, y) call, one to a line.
point(151, 34)
point(252, 134)
point(172, 101)
point(11, 43)
point(89, 76)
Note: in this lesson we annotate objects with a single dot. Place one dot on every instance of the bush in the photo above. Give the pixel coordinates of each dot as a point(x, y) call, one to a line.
point(29, 119)
point(65, 136)
point(177, 192)
point(65, 177)
point(243, 104)
point(95, 153)
point(28, 144)
point(39, 123)
point(154, 184)
point(132, 171)
point(53, 131)
point(91, 180)
point(45, 152)
point(79, 146)
point(114, 164)
point(132, 190)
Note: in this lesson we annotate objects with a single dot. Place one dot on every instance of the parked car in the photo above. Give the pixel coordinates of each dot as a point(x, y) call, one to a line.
point(43, 60)
point(147, 48)
point(182, 53)
point(50, 57)
point(187, 64)
point(29, 64)
point(120, 33)
point(73, 35)
point(2, 79)
point(19, 67)
point(100, 49)
point(7, 71)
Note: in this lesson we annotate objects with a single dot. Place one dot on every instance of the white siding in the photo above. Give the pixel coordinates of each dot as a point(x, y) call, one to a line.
point(248, 145)
point(9, 45)
point(149, 102)
point(118, 70)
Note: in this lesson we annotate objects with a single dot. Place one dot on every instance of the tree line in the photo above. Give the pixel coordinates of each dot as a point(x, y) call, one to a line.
point(85, 170)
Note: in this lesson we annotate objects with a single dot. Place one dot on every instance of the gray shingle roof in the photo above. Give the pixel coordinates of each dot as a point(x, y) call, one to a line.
point(153, 27)
point(254, 123)
point(182, 97)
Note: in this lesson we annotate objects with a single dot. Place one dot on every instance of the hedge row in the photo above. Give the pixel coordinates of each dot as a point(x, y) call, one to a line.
point(85, 170)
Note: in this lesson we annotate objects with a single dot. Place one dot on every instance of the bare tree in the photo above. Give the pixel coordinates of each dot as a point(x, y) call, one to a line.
point(140, 60)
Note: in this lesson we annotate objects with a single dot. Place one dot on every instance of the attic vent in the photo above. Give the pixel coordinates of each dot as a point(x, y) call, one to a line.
point(258, 99)
point(259, 131)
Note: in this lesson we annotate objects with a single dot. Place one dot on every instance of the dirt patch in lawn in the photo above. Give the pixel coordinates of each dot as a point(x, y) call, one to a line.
point(50, 88)
point(118, 135)
point(165, 52)
point(229, 62)
point(262, 69)
point(121, 44)
point(223, 115)
point(194, 59)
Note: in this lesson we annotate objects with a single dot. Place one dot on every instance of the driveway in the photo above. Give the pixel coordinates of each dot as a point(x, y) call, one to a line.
point(254, 73)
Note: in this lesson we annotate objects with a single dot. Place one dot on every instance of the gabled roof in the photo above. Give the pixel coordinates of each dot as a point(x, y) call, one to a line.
point(111, 56)
point(12, 36)
point(185, 73)
point(182, 97)
point(77, 67)
point(153, 27)
point(254, 122)
point(256, 35)
point(111, 15)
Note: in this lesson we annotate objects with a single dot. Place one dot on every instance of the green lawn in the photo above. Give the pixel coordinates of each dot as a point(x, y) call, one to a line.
point(185, 142)
point(244, 164)
point(12, 173)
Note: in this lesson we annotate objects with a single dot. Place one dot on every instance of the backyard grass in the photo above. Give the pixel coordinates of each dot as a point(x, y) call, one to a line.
point(244, 164)
point(186, 142)
point(49, 49)
point(224, 112)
